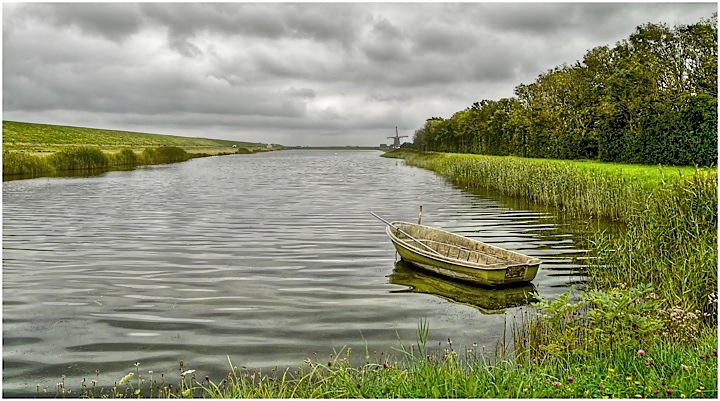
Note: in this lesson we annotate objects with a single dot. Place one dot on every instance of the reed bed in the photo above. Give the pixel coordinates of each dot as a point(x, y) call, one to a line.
point(17, 163)
point(572, 188)
point(88, 158)
point(670, 241)
point(79, 158)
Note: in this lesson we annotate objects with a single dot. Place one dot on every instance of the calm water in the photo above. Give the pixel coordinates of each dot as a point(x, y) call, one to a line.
point(267, 259)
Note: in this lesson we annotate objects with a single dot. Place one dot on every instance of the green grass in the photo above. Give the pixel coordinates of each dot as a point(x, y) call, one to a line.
point(32, 150)
point(576, 188)
point(38, 137)
point(684, 370)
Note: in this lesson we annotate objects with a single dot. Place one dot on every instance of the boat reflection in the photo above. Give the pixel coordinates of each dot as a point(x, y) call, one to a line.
point(489, 300)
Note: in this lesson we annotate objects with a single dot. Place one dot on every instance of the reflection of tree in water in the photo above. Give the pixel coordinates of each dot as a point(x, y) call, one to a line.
point(486, 299)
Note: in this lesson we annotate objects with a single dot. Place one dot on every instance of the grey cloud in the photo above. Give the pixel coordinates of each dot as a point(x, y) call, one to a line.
point(291, 70)
point(302, 92)
point(113, 21)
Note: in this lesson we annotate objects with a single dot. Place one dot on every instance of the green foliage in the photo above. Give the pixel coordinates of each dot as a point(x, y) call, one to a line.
point(651, 99)
point(575, 188)
point(683, 370)
point(164, 154)
point(125, 157)
point(79, 158)
point(671, 241)
point(17, 163)
point(601, 322)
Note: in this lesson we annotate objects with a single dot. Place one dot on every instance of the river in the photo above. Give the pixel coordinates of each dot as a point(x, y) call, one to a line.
point(264, 259)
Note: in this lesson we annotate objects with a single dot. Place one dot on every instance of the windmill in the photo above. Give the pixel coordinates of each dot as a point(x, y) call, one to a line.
point(396, 138)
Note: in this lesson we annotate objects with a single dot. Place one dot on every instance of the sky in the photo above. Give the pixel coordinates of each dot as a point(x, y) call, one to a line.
point(297, 74)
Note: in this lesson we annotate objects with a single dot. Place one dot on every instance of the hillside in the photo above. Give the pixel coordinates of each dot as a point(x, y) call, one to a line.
point(32, 137)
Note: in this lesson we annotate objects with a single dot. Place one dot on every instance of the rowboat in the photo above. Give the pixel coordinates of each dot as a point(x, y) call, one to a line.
point(459, 257)
point(488, 300)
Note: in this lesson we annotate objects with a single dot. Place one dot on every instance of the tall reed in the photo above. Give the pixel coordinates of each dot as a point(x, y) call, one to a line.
point(79, 158)
point(163, 154)
point(17, 163)
point(671, 241)
point(569, 189)
point(125, 157)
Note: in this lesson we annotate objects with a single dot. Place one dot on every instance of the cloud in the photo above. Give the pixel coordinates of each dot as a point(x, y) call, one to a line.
point(300, 72)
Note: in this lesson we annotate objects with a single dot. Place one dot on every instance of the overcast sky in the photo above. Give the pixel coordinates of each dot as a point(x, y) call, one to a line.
point(295, 74)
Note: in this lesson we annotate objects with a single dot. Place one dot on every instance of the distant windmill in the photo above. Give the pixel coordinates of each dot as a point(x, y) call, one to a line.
point(396, 138)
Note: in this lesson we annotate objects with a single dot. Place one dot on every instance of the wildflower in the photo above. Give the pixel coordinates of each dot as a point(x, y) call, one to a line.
point(682, 396)
point(684, 367)
point(385, 365)
point(703, 356)
point(715, 353)
point(556, 384)
point(601, 387)
point(611, 370)
point(655, 392)
point(571, 379)
point(187, 372)
point(668, 391)
point(641, 353)
point(648, 363)
point(525, 391)
point(638, 396)
point(127, 378)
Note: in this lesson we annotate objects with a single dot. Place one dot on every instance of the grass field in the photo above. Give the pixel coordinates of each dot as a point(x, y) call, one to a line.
point(29, 137)
point(31, 150)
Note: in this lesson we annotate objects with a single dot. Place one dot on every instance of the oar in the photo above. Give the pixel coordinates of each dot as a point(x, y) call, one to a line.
point(408, 235)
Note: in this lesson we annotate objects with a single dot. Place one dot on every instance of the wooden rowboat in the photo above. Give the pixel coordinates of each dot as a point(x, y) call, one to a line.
point(459, 257)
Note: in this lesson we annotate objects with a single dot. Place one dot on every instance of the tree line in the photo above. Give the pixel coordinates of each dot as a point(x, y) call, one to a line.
point(650, 99)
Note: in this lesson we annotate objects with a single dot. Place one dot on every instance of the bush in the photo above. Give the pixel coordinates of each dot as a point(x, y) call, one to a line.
point(125, 157)
point(15, 163)
point(163, 154)
point(80, 158)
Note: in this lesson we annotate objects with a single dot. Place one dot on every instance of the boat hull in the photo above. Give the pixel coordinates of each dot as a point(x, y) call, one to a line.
point(502, 267)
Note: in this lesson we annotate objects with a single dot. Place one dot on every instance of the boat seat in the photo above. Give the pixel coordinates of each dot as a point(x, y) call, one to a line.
point(458, 252)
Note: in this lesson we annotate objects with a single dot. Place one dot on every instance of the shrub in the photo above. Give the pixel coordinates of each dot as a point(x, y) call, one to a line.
point(125, 157)
point(80, 158)
point(16, 163)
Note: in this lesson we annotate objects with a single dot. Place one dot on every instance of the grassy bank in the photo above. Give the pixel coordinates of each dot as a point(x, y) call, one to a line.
point(416, 372)
point(670, 215)
point(39, 149)
point(32, 137)
point(653, 285)
point(578, 188)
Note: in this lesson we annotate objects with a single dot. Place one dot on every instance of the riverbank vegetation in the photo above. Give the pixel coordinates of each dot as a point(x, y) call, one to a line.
point(650, 99)
point(653, 285)
point(416, 371)
point(39, 149)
